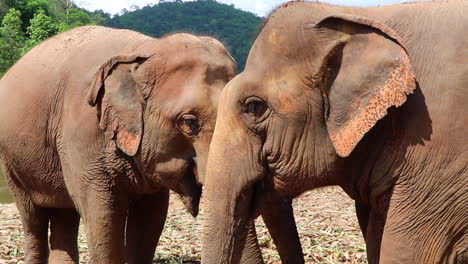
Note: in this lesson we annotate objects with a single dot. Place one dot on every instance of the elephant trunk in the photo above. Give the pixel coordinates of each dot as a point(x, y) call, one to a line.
point(226, 229)
point(190, 191)
point(191, 198)
point(232, 171)
point(227, 213)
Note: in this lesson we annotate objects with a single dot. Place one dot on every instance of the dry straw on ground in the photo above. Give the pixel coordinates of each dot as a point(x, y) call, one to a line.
point(325, 218)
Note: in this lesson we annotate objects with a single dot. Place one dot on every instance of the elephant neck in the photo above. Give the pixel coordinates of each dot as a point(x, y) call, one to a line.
point(371, 171)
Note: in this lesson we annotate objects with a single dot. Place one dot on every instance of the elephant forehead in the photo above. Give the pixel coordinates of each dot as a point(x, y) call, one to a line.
point(185, 49)
point(188, 93)
point(284, 89)
point(279, 42)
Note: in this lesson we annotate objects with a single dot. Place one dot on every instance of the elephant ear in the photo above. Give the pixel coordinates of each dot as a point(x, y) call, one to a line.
point(366, 71)
point(119, 101)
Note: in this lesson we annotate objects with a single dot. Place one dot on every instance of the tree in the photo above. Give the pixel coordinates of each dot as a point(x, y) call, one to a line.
point(236, 28)
point(68, 15)
point(41, 27)
point(29, 8)
point(12, 39)
point(5, 5)
point(38, 19)
point(77, 18)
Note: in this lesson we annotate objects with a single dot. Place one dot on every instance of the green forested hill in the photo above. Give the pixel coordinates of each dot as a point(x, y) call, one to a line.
point(25, 23)
point(234, 27)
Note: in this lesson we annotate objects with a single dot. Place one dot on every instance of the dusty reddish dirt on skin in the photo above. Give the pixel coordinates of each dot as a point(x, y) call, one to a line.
point(325, 218)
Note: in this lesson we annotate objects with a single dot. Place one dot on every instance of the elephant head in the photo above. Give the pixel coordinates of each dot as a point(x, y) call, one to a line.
point(313, 86)
point(158, 107)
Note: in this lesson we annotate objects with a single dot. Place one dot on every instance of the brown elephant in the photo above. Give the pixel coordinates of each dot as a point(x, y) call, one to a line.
point(107, 121)
point(370, 99)
point(155, 104)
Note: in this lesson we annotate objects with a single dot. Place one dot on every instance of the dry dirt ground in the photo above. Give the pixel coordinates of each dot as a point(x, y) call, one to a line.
point(325, 218)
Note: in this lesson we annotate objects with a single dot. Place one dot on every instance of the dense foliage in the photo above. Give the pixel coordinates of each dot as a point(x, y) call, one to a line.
point(234, 27)
point(11, 39)
point(25, 23)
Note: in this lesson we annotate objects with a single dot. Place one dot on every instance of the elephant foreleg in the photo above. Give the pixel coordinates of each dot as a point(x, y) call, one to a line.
point(35, 220)
point(279, 219)
point(373, 229)
point(104, 215)
point(145, 222)
point(362, 212)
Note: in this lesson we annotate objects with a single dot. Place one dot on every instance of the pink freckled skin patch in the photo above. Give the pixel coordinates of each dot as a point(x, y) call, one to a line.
point(400, 83)
point(128, 142)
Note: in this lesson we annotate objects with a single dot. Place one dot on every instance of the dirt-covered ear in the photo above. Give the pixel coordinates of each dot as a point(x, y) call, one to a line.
point(119, 102)
point(366, 70)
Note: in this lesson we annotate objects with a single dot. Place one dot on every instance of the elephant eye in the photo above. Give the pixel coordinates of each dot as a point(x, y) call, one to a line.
point(189, 124)
point(255, 106)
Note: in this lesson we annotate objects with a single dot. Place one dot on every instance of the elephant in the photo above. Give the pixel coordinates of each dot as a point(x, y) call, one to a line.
point(114, 120)
point(101, 123)
point(369, 99)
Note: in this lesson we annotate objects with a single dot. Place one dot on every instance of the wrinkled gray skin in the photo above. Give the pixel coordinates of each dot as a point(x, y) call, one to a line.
point(371, 99)
point(107, 121)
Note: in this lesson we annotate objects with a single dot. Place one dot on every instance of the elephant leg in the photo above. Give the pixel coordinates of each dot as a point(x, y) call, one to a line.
point(251, 253)
point(279, 219)
point(145, 222)
point(104, 215)
point(35, 221)
point(373, 237)
point(371, 233)
point(362, 212)
point(64, 224)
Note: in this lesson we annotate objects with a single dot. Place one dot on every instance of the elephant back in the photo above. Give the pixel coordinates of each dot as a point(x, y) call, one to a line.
point(34, 91)
point(73, 56)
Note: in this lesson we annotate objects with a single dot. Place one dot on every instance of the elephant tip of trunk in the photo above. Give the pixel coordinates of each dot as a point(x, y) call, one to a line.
point(194, 213)
point(191, 205)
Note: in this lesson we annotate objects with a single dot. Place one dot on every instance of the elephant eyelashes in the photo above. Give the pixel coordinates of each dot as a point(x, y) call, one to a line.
point(189, 124)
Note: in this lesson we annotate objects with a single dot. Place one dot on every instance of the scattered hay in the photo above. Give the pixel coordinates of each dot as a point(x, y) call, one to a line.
point(325, 218)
